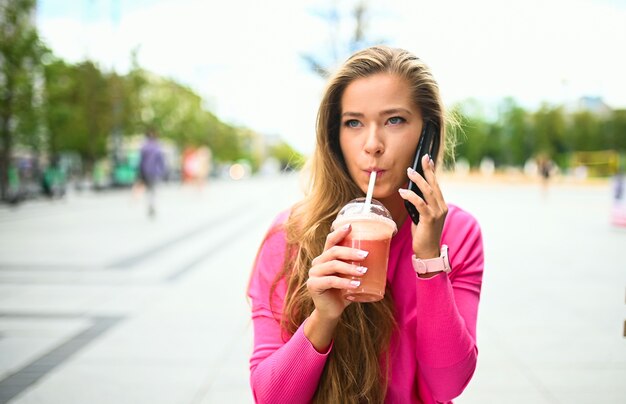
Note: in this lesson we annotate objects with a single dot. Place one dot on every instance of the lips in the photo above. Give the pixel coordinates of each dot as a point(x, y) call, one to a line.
point(379, 172)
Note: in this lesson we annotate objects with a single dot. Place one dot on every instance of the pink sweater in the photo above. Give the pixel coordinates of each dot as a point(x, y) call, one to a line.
point(433, 353)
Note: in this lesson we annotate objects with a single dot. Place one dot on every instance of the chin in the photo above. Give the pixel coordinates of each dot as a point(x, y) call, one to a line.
point(386, 193)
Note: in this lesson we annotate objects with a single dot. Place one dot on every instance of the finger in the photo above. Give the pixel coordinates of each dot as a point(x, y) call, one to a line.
point(414, 199)
point(321, 284)
point(430, 174)
point(342, 253)
point(422, 184)
point(337, 235)
point(337, 267)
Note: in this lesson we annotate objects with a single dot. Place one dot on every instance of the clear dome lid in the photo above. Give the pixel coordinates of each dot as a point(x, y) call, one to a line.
point(356, 210)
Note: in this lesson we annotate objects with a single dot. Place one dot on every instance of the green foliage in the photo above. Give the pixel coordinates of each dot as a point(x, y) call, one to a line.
point(517, 139)
point(474, 131)
point(85, 105)
point(550, 131)
point(288, 158)
point(79, 108)
point(177, 112)
point(49, 105)
point(518, 135)
point(585, 131)
point(20, 53)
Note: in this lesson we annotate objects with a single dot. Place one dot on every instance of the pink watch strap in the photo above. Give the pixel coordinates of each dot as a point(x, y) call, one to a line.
point(439, 264)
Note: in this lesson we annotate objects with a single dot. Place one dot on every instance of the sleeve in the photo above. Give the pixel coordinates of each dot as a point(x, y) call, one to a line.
point(447, 311)
point(280, 371)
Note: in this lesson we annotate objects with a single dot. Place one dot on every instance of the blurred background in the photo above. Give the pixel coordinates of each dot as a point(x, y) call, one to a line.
point(118, 288)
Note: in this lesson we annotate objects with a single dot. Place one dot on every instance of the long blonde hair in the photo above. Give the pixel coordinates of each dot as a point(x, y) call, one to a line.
point(357, 369)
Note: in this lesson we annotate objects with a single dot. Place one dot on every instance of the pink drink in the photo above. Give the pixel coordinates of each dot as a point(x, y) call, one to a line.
point(372, 287)
point(372, 229)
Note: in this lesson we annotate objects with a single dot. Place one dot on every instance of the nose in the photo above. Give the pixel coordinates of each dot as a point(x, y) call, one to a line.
point(374, 143)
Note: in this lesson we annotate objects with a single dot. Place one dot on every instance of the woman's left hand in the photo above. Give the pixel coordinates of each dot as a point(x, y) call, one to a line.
point(432, 210)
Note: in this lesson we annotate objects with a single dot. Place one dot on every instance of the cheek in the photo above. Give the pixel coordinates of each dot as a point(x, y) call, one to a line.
point(348, 150)
point(406, 155)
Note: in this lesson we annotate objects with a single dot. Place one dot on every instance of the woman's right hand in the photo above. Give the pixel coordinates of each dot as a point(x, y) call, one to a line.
point(325, 284)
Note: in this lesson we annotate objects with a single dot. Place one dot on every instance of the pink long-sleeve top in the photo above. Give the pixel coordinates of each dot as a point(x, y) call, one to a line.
point(433, 351)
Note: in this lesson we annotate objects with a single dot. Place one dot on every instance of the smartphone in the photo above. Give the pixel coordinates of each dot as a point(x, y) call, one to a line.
point(428, 144)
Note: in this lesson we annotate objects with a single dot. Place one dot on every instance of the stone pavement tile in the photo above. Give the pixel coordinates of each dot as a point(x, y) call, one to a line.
point(127, 300)
point(14, 277)
point(501, 376)
point(120, 384)
point(503, 383)
point(53, 298)
point(8, 291)
point(584, 384)
point(147, 343)
point(226, 395)
point(15, 353)
point(26, 339)
point(509, 397)
point(231, 383)
point(35, 326)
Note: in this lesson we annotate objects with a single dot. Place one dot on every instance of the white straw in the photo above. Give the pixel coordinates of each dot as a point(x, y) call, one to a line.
point(370, 191)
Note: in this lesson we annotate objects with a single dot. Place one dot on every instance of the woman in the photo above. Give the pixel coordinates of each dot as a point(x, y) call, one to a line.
point(418, 343)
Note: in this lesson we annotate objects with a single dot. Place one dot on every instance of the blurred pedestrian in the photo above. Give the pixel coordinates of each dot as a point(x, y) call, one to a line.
point(151, 168)
point(418, 344)
point(618, 212)
point(545, 165)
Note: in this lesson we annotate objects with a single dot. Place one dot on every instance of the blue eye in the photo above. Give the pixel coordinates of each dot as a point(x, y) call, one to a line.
point(352, 123)
point(396, 120)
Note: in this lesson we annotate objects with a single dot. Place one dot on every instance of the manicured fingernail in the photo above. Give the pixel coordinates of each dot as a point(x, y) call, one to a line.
point(346, 227)
point(403, 191)
point(362, 253)
point(410, 171)
point(355, 283)
point(361, 269)
point(431, 162)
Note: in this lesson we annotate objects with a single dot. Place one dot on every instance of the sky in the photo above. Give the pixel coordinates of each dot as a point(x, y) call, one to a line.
point(244, 56)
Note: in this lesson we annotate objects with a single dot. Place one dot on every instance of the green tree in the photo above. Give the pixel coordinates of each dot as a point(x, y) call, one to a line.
point(178, 113)
point(517, 140)
point(20, 55)
point(618, 130)
point(175, 110)
point(59, 104)
point(474, 133)
point(288, 158)
point(585, 132)
point(79, 109)
point(550, 129)
point(132, 86)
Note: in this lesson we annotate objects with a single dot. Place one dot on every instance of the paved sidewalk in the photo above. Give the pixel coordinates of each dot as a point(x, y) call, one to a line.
point(99, 304)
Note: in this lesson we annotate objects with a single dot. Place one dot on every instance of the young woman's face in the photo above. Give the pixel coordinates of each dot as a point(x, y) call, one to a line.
point(380, 127)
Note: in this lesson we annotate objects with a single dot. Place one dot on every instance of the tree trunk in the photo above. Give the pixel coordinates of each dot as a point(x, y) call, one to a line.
point(5, 135)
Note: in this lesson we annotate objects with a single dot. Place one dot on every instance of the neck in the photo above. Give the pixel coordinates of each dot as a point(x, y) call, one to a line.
point(395, 206)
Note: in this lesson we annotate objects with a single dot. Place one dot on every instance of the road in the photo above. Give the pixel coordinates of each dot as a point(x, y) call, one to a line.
point(100, 304)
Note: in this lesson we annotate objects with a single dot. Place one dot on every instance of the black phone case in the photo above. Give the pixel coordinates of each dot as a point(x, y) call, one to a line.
point(428, 144)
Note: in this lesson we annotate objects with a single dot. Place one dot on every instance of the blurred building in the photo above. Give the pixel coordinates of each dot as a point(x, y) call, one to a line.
point(594, 105)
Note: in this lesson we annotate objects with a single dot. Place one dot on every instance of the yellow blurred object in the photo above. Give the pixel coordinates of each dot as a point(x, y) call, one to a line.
point(237, 171)
point(597, 163)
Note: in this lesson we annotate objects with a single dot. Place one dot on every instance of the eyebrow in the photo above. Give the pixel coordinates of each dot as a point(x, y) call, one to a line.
point(382, 113)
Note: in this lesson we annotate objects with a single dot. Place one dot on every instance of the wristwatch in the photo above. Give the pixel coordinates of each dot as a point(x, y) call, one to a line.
point(438, 264)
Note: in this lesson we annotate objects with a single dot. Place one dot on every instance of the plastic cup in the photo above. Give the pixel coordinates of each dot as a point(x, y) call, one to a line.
point(372, 229)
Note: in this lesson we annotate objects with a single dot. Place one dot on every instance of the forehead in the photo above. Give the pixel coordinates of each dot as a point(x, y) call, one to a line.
point(383, 90)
